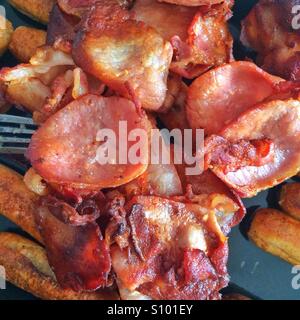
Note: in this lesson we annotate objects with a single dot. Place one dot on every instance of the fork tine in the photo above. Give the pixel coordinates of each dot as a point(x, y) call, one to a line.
point(15, 119)
point(15, 133)
point(16, 130)
point(12, 150)
point(13, 140)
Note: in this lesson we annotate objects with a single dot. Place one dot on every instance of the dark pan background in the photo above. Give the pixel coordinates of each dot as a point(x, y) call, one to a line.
point(253, 272)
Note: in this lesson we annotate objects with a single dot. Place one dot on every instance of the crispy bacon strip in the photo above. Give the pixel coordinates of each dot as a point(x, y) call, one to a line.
point(230, 157)
point(124, 54)
point(277, 121)
point(209, 183)
point(59, 87)
point(28, 85)
point(30, 93)
point(156, 265)
point(277, 47)
point(68, 215)
point(200, 40)
point(41, 63)
point(221, 95)
point(78, 255)
point(65, 149)
point(160, 179)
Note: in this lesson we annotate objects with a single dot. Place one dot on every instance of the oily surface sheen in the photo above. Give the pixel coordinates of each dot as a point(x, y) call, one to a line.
point(278, 121)
point(222, 94)
point(64, 149)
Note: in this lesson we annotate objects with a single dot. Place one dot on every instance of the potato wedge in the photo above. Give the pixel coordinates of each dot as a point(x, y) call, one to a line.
point(290, 199)
point(37, 10)
point(17, 202)
point(276, 233)
point(5, 34)
point(26, 266)
point(25, 41)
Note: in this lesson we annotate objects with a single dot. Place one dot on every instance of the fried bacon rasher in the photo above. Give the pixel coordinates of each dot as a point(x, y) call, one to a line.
point(193, 266)
point(199, 35)
point(147, 228)
point(128, 56)
point(222, 94)
point(76, 249)
point(268, 29)
point(64, 153)
point(278, 121)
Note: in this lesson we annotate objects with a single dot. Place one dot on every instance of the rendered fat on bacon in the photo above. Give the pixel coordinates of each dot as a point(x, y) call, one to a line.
point(276, 121)
point(78, 255)
point(222, 94)
point(199, 36)
point(128, 56)
point(159, 179)
point(28, 85)
point(171, 252)
point(65, 150)
point(209, 183)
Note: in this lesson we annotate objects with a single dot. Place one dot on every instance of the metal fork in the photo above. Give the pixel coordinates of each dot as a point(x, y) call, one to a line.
point(15, 133)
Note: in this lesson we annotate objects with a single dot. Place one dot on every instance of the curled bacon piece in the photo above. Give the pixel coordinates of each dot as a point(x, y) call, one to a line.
point(221, 95)
point(277, 47)
point(276, 121)
point(44, 60)
point(230, 157)
point(28, 85)
point(89, 212)
point(209, 183)
point(172, 253)
point(30, 93)
point(159, 179)
point(65, 149)
point(78, 255)
point(200, 40)
point(59, 87)
point(124, 54)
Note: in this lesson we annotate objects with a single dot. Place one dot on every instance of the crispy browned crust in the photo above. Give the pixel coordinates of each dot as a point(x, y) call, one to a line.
point(276, 233)
point(17, 202)
point(26, 266)
point(37, 10)
point(290, 199)
point(5, 35)
point(25, 41)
